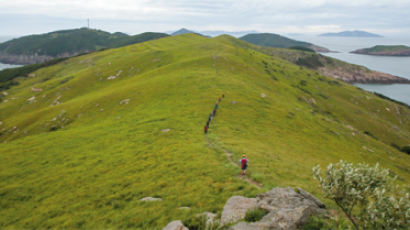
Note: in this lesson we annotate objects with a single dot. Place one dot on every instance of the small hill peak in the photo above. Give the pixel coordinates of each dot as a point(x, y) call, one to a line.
point(183, 31)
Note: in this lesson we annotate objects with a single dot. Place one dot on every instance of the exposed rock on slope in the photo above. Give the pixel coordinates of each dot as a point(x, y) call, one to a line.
point(286, 208)
point(175, 225)
point(236, 208)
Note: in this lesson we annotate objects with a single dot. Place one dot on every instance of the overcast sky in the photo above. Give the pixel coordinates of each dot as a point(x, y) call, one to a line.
point(386, 17)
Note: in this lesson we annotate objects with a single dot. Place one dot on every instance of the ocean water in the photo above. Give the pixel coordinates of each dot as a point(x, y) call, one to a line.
point(398, 66)
point(5, 66)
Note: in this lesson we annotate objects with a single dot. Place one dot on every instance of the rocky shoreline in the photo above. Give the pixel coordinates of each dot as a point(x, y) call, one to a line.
point(362, 75)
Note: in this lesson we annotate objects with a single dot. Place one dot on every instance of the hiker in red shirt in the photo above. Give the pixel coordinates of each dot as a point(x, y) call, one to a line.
point(206, 129)
point(244, 164)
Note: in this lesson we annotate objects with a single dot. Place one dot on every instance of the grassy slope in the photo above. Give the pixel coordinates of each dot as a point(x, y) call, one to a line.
point(106, 156)
point(275, 40)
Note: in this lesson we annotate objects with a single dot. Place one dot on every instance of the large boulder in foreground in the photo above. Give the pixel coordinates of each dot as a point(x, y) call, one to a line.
point(286, 208)
point(236, 208)
point(175, 225)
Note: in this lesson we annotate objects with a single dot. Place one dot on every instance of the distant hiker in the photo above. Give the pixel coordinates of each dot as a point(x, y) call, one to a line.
point(206, 129)
point(223, 95)
point(216, 106)
point(210, 117)
point(207, 123)
point(244, 164)
point(219, 99)
point(214, 112)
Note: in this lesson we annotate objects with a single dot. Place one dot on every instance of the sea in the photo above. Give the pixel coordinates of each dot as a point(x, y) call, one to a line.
point(398, 66)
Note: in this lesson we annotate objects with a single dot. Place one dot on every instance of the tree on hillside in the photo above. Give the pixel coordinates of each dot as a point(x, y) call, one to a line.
point(366, 195)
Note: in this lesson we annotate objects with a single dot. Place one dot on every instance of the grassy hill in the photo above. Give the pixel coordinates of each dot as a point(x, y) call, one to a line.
point(84, 140)
point(278, 41)
point(43, 47)
point(393, 50)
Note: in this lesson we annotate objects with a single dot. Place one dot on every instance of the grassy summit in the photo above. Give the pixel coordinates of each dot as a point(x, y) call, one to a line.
point(275, 40)
point(83, 141)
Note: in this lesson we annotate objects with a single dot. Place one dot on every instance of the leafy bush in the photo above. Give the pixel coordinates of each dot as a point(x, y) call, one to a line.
point(365, 195)
point(311, 61)
point(406, 149)
point(302, 48)
point(255, 214)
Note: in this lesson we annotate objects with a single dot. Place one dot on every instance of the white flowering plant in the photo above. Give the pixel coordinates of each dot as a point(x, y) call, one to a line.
point(366, 195)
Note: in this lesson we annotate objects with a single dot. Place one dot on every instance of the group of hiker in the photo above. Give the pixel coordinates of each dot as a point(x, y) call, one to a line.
point(213, 114)
point(243, 161)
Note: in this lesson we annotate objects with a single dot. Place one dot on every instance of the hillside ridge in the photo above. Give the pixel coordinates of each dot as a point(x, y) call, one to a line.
point(40, 48)
point(85, 140)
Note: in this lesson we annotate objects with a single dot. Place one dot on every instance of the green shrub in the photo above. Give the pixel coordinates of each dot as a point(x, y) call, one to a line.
point(406, 149)
point(365, 195)
point(255, 214)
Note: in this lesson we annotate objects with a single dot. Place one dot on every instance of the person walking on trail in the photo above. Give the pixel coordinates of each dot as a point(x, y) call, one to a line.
point(244, 164)
point(219, 99)
point(214, 112)
point(206, 129)
point(216, 106)
point(210, 117)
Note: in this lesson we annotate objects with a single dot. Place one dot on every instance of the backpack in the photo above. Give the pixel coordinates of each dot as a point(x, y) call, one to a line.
point(244, 162)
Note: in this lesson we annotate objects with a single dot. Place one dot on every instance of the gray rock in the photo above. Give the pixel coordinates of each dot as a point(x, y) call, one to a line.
point(246, 226)
point(286, 208)
point(211, 223)
point(236, 208)
point(175, 225)
point(148, 198)
point(311, 197)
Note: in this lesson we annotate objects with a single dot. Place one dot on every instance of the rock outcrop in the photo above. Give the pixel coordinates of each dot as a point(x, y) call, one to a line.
point(175, 225)
point(286, 208)
point(236, 208)
point(149, 199)
point(360, 74)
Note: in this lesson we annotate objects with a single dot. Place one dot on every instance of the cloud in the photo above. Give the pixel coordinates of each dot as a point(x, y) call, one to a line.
point(310, 16)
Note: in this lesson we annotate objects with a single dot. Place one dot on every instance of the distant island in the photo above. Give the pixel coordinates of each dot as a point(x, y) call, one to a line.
point(278, 41)
point(40, 48)
point(397, 50)
point(355, 33)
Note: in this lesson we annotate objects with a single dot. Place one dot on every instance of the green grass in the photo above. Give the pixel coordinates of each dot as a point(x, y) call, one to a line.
point(91, 171)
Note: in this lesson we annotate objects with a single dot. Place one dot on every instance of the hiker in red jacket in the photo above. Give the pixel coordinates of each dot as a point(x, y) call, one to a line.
point(206, 129)
point(244, 164)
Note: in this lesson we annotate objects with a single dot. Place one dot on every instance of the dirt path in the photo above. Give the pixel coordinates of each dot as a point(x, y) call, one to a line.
point(229, 156)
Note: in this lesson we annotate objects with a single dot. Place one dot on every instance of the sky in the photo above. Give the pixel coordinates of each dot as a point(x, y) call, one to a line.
point(385, 17)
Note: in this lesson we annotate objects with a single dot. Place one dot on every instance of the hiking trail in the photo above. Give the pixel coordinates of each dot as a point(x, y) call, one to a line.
point(229, 156)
